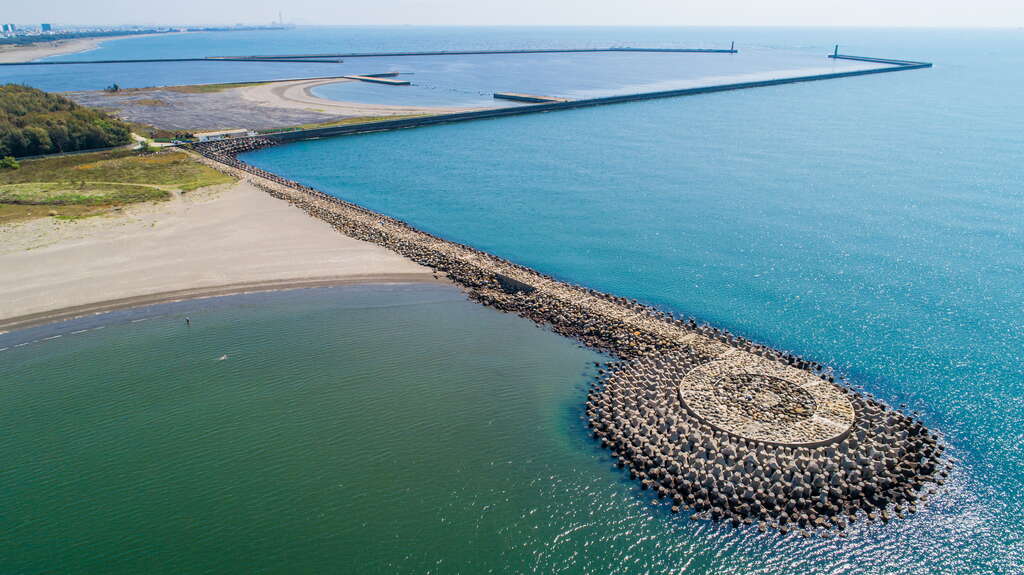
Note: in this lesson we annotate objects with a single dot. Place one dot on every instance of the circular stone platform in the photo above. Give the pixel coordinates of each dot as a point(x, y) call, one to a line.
point(750, 397)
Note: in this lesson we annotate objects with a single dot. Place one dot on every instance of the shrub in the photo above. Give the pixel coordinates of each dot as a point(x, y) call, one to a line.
point(36, 122)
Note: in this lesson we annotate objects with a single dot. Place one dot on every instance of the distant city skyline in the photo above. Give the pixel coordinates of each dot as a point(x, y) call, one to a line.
point(884, 13)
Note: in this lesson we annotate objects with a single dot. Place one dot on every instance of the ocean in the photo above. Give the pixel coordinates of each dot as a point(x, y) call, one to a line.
point(873, 223)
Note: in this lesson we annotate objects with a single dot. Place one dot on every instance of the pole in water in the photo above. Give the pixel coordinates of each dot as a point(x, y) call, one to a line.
point(732, 47)
point(836, 53)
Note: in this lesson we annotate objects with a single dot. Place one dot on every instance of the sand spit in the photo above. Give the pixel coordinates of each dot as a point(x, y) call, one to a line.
point(298, 95)
point(266, 106)
point(198, 244)
point(705, 420)
point(40, 50)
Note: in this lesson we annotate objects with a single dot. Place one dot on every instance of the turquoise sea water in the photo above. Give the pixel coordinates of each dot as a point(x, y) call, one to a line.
point(871, 223)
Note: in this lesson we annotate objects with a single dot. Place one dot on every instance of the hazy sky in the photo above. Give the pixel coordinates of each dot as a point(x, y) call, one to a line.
point(956, 13)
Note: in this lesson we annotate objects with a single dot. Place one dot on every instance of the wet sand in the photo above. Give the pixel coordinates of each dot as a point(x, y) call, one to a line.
point(209, 242)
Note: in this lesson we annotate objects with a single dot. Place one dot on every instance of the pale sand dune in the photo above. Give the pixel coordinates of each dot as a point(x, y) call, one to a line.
point(200, 244)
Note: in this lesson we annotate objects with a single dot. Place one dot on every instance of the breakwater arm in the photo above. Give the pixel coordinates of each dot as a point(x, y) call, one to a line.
point(338, 58)
point(731, 50)
point(588, 102)
point(526, 97)
point(379, 79)
point(731, 429)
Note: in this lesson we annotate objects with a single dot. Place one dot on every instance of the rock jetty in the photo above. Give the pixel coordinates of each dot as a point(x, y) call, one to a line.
point(706, 421)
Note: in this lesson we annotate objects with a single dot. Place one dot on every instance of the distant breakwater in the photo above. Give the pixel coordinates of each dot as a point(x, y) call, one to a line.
point(706, 420)
point(350, 129)
point(338, 58)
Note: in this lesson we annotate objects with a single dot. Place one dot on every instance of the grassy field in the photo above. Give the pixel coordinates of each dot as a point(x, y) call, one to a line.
point(150, 102)
point(191, 89)
point(80, 193)
point(211, 88)
point(87, 184)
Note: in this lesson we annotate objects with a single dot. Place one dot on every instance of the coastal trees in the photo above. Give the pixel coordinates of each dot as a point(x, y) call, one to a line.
point(35, 122)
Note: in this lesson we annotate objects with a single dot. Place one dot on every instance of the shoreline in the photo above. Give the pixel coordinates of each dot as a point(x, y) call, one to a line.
point(43, 49)
point(674, 404)
point(53, 317)
point(298, 95)
point(230, 238)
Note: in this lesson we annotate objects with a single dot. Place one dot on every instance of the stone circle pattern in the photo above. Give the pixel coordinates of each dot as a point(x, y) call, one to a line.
point(743, 439)
point(753, 398)
point(853, 457)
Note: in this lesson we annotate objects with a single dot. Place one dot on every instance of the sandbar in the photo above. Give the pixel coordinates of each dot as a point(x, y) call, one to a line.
point(298, 95)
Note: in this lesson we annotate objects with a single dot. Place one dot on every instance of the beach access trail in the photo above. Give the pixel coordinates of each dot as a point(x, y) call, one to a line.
point(207, 242)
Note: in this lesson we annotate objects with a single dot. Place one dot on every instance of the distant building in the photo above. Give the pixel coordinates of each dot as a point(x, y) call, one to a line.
point(223, 135)
point(45, 28)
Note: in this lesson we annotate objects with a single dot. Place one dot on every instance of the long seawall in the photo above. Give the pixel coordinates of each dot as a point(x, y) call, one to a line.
point(900, 66)
point(336, 58)
point(708, 421)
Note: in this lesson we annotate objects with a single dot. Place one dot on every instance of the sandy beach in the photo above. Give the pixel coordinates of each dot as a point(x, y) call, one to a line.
point(298, 95)
point(30, 52)
point(208, 242)
point(38, 50)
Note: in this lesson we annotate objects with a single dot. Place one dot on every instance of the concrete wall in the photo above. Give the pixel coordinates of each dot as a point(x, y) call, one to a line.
point(554, 106)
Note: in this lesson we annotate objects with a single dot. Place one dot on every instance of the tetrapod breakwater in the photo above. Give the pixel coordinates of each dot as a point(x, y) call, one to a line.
point(710, 422)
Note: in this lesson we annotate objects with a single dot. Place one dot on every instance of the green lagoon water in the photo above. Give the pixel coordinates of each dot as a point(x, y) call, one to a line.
point(393, 428)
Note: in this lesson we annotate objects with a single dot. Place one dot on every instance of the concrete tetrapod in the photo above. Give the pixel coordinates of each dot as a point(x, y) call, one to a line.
point(730, 428)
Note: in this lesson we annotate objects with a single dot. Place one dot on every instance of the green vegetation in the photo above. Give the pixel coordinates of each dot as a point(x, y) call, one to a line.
point(18, 212)
point(35, 122)
point(85, 184)
point(9, 163)
point(154, 102)
point(174, 169)
point(79, 193)
point(211, 88)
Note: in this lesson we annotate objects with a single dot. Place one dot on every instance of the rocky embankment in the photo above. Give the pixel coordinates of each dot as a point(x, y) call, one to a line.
point(706, 420)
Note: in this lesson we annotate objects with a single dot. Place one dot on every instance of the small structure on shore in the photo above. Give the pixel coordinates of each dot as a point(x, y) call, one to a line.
point(224, 135)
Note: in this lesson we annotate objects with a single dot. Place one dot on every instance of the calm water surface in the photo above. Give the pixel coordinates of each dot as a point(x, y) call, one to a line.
point(872, 223)
point(360, 429)
point(448, 80)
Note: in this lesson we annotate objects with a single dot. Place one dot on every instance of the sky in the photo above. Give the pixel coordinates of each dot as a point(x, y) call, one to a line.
point(924, 13)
